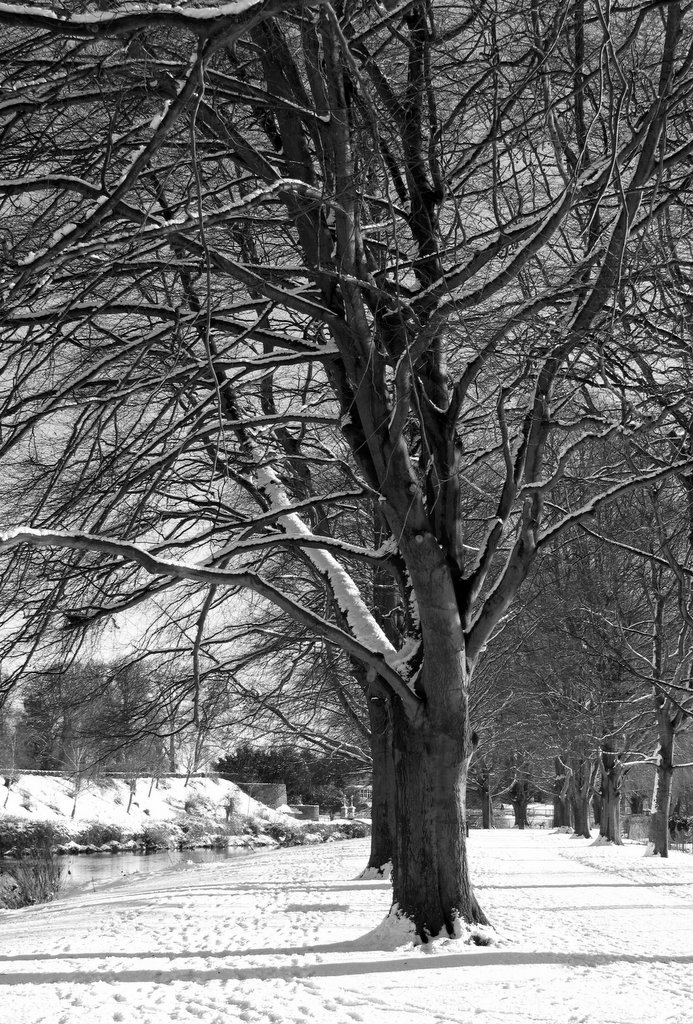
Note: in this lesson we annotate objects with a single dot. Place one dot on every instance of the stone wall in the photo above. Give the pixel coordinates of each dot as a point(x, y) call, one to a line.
point(306, 812)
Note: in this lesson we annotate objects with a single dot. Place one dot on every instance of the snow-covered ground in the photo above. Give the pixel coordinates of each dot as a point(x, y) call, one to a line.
point(586, 934)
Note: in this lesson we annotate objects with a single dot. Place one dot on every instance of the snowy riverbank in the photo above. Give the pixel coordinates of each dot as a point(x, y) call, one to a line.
point(114, 815)
point(114, 801)
point(587, 934)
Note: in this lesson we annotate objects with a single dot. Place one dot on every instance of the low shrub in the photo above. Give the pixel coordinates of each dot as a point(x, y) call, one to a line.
point(195, 829)
point(235, 825)
point(23, 836)
point(354, 829)
point(250, 826)
point(96, 834)
point(159, 836)
point(289, 833)
point(679, 823)
point(285, 833)
point(30, 880)
point(199, 805)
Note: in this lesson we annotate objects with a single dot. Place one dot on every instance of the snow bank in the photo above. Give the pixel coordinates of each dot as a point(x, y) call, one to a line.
point(108, 801)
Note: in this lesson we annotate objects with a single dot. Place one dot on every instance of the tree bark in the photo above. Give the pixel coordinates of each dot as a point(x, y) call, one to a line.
point(610, 818)
point(383, 780)
point(612, 786)
point(519, 797)
point(581, 815)
point(561, 804)
point(658, 826)
point(581, 788)
point(597, 808)
point(561, 812)
point(431, 883)
point(486, 801)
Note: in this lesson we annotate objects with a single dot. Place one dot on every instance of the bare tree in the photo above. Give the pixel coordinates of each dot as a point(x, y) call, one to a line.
point(274, 267)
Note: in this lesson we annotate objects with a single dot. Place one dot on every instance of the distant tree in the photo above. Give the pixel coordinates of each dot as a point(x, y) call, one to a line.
point(309, 777)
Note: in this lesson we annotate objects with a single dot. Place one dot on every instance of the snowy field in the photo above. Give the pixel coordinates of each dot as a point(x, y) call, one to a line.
point(586, 934)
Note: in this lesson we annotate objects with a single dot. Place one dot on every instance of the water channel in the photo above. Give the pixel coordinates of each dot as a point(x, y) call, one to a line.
point(83, 870)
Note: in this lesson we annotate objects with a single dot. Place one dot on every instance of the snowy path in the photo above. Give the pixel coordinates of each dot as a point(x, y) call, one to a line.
point(589, 934)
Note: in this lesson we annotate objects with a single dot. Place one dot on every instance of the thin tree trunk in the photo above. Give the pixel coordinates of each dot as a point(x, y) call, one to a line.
point(386, 606)
point(561, 805)
point(669, 719)
point(658, 827)
point(383, 780)
point(486, 800)
point(431, 883)
point(597, 808)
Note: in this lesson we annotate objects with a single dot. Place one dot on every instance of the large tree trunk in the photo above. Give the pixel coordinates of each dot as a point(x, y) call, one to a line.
point(658, 827)
point(610, 817)
point(383, 801)
point(430, 872)
point(612, 785)
point(581, 787)
point(581, 815)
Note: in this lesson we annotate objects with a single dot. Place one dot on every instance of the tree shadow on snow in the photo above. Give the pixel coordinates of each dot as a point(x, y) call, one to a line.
point(474, 958)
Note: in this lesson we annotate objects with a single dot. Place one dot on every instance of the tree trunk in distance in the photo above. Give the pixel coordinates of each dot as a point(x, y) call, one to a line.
point(610, 818)
point(383, 801)
point(581, 787)
point(486, 801)
point(612, 785)
point(561, 813)
point(431, 884)
point(519, 797)
point(561, 805)
point(581, 815)
point(597, 808)
point(658, 826)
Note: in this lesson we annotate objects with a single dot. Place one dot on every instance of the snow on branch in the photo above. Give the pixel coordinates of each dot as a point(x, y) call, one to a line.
point(307, 540)
point(593, 506)
point(360, 619)
point(227, 20)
